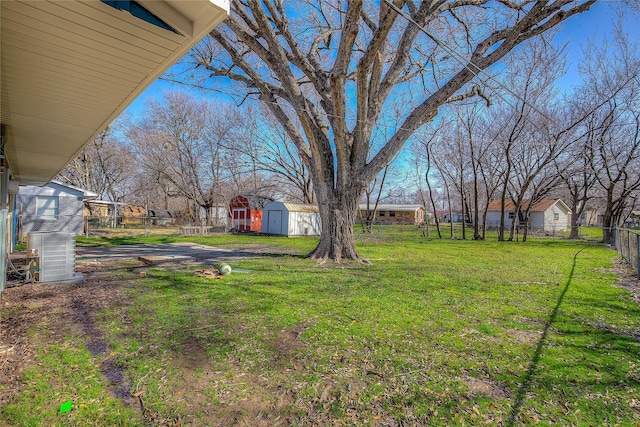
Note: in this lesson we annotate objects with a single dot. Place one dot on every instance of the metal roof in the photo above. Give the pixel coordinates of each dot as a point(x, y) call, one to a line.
point(69, 68)
point(300, 207)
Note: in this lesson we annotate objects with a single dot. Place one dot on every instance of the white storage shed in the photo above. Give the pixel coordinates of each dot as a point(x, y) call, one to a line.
point(291, 219)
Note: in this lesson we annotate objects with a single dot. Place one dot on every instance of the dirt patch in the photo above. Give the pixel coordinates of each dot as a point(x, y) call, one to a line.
point(64, 311)
point(191, 356)
point(483, 387)
point(256, 412)
point(627, 279)
point(61, 310)
point(524, 336)
point(288, 340)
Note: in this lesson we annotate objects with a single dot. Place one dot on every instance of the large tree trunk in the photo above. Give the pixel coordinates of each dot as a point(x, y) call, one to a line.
point(330, 103)
point(516, 221)
point(575, 229)
point(338, 211)
point(608, 224)
point(208, 208)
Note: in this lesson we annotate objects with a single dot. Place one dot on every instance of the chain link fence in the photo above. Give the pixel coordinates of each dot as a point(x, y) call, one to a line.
point(627, 244)
point(156, 224)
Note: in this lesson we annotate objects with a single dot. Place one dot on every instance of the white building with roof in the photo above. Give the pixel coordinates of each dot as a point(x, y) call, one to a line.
point(291, 219)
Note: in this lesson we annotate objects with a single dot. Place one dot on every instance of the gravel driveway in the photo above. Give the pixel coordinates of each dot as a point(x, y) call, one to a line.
point(178, 251)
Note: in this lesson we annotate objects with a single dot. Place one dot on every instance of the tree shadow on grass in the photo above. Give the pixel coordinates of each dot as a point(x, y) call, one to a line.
point(533, 365)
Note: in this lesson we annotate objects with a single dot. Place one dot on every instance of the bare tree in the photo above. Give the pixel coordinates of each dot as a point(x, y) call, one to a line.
point(267, 148)
point(421, 151)
point(451, 159)
point(180, 142)
point(489, 163)
point(472, 145)
point(611, 74)
point(573, 168)
point(330, 71)
point(372, 195)
point(102, 167)
point(616, 163)
point(524, 127)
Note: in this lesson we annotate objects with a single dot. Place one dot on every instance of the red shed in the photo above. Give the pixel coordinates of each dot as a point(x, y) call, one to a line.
point(245, 212)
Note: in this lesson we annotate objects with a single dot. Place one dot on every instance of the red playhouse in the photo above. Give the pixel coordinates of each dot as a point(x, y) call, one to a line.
point(245, 212)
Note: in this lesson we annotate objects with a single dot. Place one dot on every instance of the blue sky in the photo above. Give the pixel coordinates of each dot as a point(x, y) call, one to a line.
point(576, 32)
point(594, 25)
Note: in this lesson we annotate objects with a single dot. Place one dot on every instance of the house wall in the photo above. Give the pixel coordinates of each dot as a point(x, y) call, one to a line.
point(249, 208)
point(551, 224)
point(70, 215)
point(399, 217)
point(278, 218)
point(538, 220)
point(493, 219)
point(304, 224)
point(255, 220)
point(275, 220)
point(240, 204)
point(592, 218)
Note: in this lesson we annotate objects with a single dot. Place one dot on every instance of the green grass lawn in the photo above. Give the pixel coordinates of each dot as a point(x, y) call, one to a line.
point(433, 332)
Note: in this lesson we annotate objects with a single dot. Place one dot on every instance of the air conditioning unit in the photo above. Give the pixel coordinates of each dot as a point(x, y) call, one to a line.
point(52, 256)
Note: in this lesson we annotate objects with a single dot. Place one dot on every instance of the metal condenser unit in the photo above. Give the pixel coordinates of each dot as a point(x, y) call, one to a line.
point(52, 256)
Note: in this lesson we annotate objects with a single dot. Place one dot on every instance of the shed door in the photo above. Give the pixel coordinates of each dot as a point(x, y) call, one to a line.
point(240, 219)
point(274, 224)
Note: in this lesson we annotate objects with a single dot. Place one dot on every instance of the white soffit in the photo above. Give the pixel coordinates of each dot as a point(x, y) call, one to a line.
point(68, 68)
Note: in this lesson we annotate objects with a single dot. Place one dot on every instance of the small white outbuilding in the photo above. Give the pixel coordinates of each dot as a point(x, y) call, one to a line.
point(291, 219)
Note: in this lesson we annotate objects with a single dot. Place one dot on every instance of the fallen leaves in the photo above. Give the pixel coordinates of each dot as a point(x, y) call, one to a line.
point(208, 274)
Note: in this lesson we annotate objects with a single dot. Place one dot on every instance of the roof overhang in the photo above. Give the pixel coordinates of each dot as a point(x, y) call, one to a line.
point(69, 68)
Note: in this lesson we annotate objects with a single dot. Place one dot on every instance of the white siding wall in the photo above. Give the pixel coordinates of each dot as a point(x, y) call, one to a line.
point(551, 224)
point(304, 224)
point(278, 218)
point(537, 220)
point(70, 217)
point(493, 219)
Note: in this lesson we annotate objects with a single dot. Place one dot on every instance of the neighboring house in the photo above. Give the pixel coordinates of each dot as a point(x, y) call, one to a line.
point(548, 215)
point(395, 214)
point(68, 70)
point(455, 216)
point(291, 219)
point(54, 207)
point(245, 212)
point(102, 213)
point(591, 218)
point(112, 214)
point(218, 215)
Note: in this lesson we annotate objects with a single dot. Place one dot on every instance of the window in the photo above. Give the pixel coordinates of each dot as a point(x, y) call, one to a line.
point(392, 213)
point(47, 207)
point(511, 215)
point(382, 213)
point(556, 216)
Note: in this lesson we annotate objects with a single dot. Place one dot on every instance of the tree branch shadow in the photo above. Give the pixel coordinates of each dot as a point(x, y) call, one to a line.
point(533, 365)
